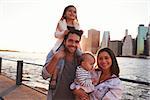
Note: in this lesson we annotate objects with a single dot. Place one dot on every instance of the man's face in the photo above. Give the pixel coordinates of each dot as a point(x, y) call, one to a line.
point(72, 43)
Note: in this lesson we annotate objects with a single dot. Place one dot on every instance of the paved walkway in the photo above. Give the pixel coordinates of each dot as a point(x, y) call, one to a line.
point(10, 91)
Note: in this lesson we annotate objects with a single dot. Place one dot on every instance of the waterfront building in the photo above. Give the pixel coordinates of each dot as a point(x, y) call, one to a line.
point(94, 39)
point(85, 43)
point(105, 39)
point(91, 42)
point(116, 47)
point(141, 37)
point(127, 47)
point(148, 41)
point(134, 46)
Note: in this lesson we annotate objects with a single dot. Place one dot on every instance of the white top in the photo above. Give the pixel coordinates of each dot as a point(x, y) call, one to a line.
point(110, 89)
point(59, 34)
point(83, 80)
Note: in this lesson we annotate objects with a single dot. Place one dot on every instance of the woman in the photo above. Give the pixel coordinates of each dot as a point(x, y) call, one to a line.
point(109, 85)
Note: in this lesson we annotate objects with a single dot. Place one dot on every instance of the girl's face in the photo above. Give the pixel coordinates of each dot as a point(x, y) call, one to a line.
point(104, 61)
point(71, 13)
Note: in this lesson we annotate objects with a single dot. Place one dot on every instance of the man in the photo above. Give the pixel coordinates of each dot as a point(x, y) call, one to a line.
point(67, 60)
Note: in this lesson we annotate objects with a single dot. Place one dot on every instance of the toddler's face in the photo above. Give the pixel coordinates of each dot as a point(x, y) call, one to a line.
point(89, 63)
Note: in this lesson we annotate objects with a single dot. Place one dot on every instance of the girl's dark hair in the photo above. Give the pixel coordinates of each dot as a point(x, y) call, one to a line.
point(66, 8)
point(114, 67)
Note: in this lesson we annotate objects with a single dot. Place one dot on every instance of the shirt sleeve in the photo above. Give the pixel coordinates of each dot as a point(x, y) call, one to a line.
point(83, 77)
point(62, 26)
point(59, 34)
point(45, 73)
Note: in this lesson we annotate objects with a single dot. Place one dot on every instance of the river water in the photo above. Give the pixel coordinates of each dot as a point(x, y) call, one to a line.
point(131, 68)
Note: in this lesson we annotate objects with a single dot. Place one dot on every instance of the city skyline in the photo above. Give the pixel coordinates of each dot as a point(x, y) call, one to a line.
point(128, 46)
point(29, 25)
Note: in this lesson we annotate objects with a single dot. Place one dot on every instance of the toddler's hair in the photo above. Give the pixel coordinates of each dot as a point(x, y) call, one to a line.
point(83, 56)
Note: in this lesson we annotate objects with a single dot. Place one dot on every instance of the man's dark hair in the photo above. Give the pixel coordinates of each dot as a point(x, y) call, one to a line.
point(77, 32)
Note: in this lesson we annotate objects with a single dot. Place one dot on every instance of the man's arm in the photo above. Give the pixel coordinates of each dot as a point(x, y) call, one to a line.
point(55, 59)
point(51, 63)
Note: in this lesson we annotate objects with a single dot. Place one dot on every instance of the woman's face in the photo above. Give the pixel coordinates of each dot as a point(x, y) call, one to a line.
point(71, 13)
point(104, 61)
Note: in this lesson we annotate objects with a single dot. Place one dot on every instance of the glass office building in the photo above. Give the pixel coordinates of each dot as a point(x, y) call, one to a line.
point(141, 37)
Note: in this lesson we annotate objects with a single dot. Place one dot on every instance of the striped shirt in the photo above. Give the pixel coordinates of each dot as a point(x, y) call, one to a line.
point(83, 80)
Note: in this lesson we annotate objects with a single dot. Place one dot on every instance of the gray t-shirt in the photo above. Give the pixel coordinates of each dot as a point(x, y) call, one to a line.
point(68, 75)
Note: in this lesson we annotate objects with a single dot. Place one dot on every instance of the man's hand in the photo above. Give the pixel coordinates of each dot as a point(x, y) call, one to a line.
point(60, 54)
point(51, 66)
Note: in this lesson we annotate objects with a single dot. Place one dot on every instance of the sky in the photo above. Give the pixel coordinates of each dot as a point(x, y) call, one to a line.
point(29, 25)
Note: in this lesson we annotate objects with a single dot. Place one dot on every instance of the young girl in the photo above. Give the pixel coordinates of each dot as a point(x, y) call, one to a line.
point(67, 22)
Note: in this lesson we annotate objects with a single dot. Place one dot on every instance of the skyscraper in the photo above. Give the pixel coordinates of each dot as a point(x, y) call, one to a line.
point(127, 47)
point(93, 40)
point(105, 39)
point(116, 47)
point(141, 37)
point(148, 41)
point(85, 43)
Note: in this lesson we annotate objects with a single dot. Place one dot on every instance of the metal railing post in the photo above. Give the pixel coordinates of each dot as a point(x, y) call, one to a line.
point(0, 64)
point(19, 72)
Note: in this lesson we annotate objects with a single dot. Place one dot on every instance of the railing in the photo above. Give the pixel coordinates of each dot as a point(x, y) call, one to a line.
point(19, 68)
point(20, 72)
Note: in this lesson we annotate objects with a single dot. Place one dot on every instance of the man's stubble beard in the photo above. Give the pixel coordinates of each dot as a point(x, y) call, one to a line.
point(68, 51)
